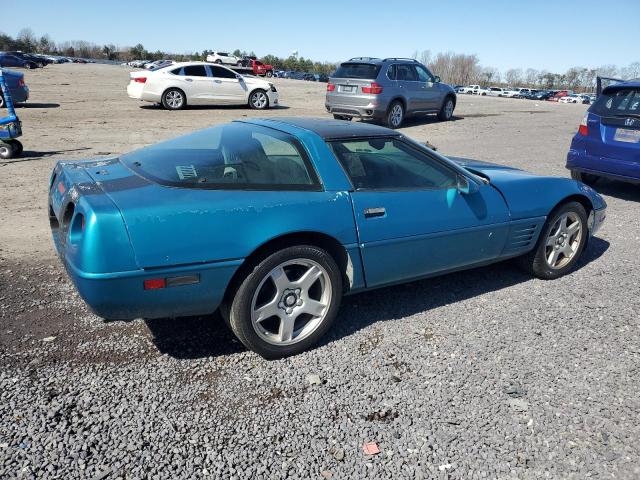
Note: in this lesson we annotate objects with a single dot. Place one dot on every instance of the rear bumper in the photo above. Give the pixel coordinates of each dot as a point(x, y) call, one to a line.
point(602, 166)
point(121, 295)
point(366, 112)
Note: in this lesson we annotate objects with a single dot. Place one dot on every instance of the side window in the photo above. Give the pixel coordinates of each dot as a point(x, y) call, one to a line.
point(221, 72)
point(288, 164)
point(407, 73)
point(423, 74)
point(178, 71)
point(389, 164)
point(391, 72)
point(195, 71)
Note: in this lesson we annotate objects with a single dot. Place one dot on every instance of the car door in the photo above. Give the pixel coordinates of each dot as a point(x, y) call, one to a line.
point(428, 89)
point(196, 84)
point(227, 86)
point(407, 81)
point(412, 217)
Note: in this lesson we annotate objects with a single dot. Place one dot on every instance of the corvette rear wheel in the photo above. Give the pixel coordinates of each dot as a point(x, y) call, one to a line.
point(288, 302)
point(560, 244)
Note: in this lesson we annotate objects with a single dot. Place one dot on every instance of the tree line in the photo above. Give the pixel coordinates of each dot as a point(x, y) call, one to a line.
point(462, 69)
point(452, 68)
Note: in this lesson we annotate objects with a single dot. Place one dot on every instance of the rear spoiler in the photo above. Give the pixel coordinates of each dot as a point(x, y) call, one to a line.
point(599, 80)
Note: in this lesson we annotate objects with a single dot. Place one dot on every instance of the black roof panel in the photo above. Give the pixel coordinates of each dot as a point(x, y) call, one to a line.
point(329, 128)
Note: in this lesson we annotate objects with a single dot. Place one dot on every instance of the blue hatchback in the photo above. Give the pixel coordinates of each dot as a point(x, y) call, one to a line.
point(608, 140)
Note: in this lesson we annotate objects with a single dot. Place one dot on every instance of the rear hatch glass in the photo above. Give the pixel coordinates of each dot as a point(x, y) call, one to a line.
point(618, 136)
point(618, 102)
point(363, 71)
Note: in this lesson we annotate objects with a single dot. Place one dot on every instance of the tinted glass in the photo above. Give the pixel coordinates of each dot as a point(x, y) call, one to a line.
point(221, 72)
point(619, 102)
point(357, 70)
point(223, 54)
point(232, 156)
point(391, 72)
point(423, 75)
point(195, 71)
point(388, 164)
point(407, 73)
point(177, 71)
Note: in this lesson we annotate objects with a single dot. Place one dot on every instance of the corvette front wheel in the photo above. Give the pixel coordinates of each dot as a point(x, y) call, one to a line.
point(287, 302)
point(561, 243)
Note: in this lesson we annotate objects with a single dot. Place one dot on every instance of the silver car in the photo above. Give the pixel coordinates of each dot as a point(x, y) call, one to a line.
point(387, 91)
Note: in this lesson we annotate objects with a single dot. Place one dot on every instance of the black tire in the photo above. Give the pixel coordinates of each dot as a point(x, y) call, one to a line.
point(218, 61)
point(170, 99)
point(259, 100)
point(240, 308)
point(1, 101)
point(17, 147)
point(7, 151)
point(391, 119)
point(445, 112)
point(535, 262)
point(347, 118)
point(29, 66)
point(586, 178)
point(269, 74)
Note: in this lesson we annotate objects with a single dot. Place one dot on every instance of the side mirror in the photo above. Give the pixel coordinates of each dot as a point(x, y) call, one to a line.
point(466, 186)
point(436, 79)
point(238, 76)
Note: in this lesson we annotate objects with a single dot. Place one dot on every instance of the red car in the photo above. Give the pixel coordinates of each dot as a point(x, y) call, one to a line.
point(558, 95)
point(258, 67)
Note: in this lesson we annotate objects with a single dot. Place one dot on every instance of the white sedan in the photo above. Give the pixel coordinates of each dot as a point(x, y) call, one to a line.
point(199, 83)
point(223, 57)
point(572, 98)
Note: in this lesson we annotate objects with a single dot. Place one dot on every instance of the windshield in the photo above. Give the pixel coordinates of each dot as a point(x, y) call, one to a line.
point(357, 70)
point(621, 101)
point(232, 156)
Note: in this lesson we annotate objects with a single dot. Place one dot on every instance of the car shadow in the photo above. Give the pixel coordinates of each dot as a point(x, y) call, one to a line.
point(38, 105)
point(208, 336)
point(614, 188)
point(30, 155)
point(157, 106)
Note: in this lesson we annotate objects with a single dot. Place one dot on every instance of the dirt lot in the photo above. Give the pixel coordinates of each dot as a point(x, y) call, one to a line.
point(483, 374)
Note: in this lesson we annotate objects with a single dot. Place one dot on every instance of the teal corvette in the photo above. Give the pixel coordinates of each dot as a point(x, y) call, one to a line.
point(273, 221)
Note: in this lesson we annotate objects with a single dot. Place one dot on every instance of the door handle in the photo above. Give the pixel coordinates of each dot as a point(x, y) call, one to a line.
point(189, 79)
point(374, 212)
point(217, 81)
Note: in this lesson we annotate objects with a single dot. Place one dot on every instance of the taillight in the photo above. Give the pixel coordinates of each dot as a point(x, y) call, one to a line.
point(154, 283)
point(330, 87)
point(374, 88)
point(21, 82)
point(140, 79)
point(583, 129)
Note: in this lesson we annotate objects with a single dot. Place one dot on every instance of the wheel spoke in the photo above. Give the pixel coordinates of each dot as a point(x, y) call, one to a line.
point(313, 307)
point(309, 277)
point(552, 257)
point(280, 280)
point(285, 332)
point(268, 310)
point(551, 241)
point(573, 228)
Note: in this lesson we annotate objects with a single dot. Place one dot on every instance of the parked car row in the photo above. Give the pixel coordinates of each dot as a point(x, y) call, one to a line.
point(293, 75)
point(563, 96)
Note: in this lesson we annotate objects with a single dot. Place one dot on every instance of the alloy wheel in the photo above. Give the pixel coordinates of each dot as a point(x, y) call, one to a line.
point(259, 100)
point(396, 115)
point(563, 240)
point(174, 99)
point(448, 109)
point(291, 302)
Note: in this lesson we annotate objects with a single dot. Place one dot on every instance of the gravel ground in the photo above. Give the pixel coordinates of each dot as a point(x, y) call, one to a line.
point(482, 374)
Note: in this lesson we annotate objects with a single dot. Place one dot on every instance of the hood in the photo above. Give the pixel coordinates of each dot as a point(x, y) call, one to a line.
point(486, 169)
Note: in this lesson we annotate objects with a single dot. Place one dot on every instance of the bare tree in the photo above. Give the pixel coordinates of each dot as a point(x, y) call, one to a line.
point(513, 77)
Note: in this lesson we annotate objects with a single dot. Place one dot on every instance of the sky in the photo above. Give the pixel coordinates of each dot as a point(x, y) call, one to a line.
point(551, 35)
